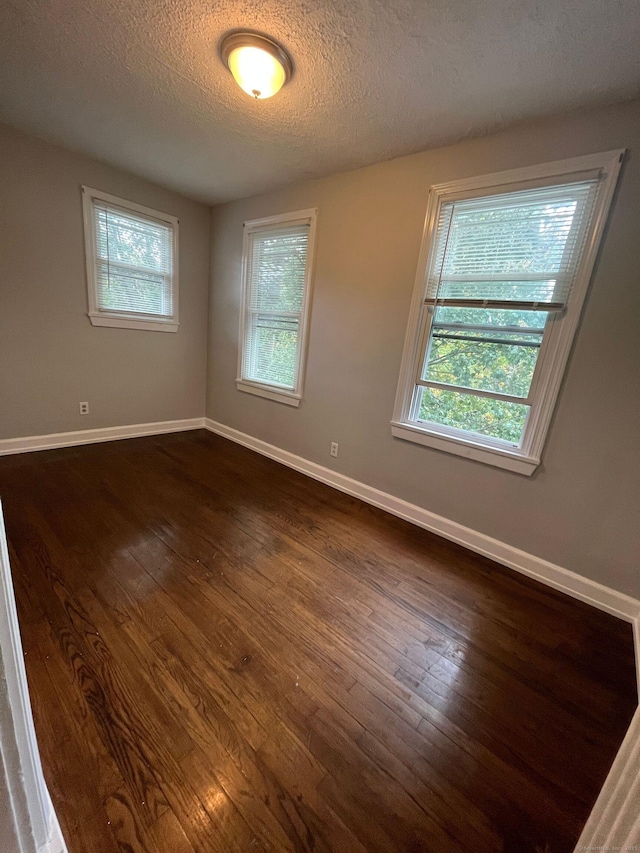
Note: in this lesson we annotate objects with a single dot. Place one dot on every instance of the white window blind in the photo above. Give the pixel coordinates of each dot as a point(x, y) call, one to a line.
point(275, 280)
point(520, 248)
point(133, 262)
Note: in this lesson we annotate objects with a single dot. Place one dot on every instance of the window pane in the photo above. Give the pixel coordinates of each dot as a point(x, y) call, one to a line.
point(492, 317)
point(522, 245)
point(543, 290)
point(129, 240)
point(133, 262)
point(275, 279)
point(500, 368)
point(278, 268)
point(507, 234)
point(132, 291)
point(486, 350)
point(274, 347)
point(495, 418)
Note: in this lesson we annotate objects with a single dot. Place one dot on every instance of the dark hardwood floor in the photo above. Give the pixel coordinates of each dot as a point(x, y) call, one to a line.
point(224, 655)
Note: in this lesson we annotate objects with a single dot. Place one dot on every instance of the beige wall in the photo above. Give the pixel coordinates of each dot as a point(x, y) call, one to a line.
point(51, 357)
point(580, 510)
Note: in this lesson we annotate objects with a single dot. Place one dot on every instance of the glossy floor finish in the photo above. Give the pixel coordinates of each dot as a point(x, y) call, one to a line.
point(225, 655)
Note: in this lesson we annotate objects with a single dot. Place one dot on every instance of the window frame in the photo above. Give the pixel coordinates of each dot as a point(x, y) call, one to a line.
point(560, 328)
point(263, 389)
point(124, 319)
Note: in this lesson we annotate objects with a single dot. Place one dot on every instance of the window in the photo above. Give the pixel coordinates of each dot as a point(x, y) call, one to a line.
point(132, 264)
point(502, 277)
point(277, 258)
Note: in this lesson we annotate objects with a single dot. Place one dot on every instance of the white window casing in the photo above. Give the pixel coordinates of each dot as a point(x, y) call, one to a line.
point(277, 274)
point(540, 264)
point(132, 264)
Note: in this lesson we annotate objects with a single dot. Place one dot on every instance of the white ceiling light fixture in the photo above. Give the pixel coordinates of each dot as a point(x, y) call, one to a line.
point(259, 66)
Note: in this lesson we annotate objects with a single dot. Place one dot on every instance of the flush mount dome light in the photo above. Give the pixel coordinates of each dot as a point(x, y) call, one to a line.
point(259, 66)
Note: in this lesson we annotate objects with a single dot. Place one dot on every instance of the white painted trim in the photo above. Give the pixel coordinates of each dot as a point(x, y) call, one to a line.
point(559, 331)
point(464, 446)
point(268, 393)
point(614, 822)
point(115, 319)
point(36, 826)
point(30, 443)
point(610, 600)
point(291, 218)
point(165, 218)
point(252, 226)
point(55, 842)
point(30, 769)
point(563, 170)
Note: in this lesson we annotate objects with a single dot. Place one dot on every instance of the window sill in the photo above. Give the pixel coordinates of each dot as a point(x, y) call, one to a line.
point(115, 321)
point(268, 393)
point(510, 460)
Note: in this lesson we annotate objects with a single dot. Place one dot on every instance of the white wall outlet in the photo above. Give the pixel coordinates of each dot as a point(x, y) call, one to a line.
point(334, 448)
point(84, 408)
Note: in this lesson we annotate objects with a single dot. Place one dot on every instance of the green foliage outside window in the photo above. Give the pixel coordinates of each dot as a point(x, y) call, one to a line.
point(485, 349)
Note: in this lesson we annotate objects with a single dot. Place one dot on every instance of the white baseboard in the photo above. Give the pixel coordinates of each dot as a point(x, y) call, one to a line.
point(55, 843)
point(35, 822)
point(564, 580)
point(614, 823)
point(30, 443)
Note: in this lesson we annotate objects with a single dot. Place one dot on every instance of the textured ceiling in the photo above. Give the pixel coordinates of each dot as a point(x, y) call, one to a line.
point(138, 83)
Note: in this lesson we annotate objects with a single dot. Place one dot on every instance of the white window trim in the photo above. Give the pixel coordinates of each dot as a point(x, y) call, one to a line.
point(557, 342)
point(263, 389)
point(122, 319)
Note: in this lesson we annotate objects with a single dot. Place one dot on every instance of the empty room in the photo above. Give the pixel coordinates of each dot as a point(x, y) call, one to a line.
point(319, 426)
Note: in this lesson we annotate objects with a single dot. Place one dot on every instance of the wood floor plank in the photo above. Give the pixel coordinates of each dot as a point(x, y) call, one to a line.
point(224, 655)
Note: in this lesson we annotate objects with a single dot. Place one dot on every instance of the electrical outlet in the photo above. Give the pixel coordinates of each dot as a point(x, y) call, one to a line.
point(84, 408)
point(334, 448)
